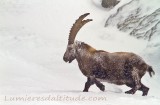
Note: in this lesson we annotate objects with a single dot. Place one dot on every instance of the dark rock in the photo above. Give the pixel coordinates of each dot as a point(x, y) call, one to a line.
point(109, 3)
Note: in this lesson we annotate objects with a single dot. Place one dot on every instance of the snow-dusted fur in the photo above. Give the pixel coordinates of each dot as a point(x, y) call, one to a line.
point(99, 66)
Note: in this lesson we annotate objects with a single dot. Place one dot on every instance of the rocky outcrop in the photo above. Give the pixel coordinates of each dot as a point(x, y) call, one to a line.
point(147, 26)
point(109, 3)
point(139, 22)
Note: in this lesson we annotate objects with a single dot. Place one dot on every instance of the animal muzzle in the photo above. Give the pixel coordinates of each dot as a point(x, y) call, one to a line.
point(66, 59)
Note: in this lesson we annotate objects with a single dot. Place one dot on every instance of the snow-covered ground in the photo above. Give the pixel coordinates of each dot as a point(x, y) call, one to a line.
point(33, 39)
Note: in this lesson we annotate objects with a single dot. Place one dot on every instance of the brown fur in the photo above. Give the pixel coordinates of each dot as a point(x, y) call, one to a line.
point(100, 66)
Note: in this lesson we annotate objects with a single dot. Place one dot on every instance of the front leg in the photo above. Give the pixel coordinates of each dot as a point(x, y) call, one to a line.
point(90, 81)
point(100, 85)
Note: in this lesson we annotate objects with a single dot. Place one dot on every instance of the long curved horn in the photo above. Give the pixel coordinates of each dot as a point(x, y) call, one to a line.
point(77, 26)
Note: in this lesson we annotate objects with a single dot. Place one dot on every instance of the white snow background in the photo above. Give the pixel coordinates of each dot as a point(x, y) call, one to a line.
point(33, 39)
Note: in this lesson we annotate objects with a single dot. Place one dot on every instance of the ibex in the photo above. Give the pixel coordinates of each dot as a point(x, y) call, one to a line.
point(121, 68)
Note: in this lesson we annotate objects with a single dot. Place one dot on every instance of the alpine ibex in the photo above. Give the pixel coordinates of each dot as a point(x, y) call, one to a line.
point(100, 66)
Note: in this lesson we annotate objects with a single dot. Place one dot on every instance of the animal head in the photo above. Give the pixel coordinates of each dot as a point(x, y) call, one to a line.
point(70, 53)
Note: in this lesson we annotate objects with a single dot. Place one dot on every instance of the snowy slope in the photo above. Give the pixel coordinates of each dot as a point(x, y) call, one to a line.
point(142, 21)
point(33, 38)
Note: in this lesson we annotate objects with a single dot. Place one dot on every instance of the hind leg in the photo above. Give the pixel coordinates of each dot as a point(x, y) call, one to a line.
point(136, 84)
point(131, 91)
point(144, 89)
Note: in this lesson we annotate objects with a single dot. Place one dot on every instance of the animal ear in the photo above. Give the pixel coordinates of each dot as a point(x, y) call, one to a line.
point(76, 27)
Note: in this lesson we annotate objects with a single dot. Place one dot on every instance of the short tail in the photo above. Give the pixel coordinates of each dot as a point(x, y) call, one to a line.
point(151, 72)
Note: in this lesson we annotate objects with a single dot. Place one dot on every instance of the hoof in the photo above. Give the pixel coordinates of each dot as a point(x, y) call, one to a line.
point(145, 92)
point(102, 88)
point(129, 92)
point(85, 90)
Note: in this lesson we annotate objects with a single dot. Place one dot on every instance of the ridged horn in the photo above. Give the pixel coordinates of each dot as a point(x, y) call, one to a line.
point(76, 27)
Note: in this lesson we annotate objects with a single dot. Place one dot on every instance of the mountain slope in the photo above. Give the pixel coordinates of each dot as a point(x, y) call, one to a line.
point(33, 39)
point(142, 21)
